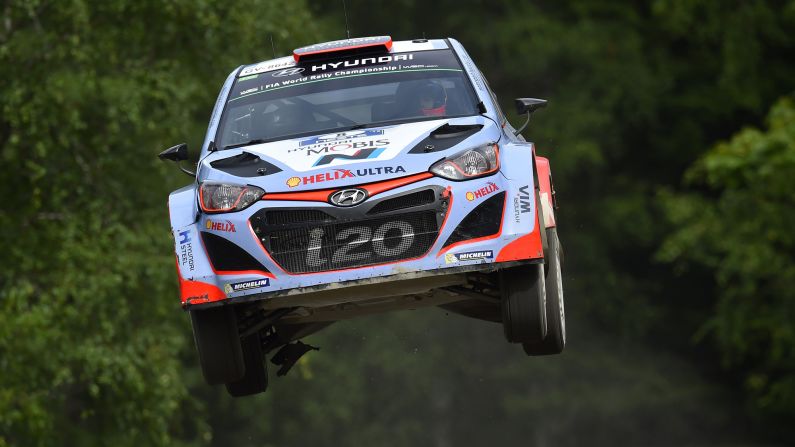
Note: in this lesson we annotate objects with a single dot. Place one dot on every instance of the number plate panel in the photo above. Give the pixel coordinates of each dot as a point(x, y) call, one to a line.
point(332, 246)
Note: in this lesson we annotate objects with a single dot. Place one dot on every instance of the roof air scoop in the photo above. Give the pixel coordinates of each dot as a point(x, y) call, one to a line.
point(345, 47)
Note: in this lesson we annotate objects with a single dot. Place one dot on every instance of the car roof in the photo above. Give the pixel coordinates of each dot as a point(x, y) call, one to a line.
point(400, 46)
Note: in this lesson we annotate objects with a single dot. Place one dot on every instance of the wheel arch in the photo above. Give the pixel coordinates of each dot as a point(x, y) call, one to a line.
point(182, 207)
point(544, 185)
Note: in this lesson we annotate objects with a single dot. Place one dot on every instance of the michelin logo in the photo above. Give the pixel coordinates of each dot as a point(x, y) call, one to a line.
point(247, 285)
point(451, 258)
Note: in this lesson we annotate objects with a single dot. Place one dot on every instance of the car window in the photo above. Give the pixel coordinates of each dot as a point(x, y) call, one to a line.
point(500, 114)
point(323, 97)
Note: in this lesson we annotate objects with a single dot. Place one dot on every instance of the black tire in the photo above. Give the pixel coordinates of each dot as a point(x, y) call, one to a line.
point(218, 344)
point(555, 340)
point(523, 303)
point(255, 380)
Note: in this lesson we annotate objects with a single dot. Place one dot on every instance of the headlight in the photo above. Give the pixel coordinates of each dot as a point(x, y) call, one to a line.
point(469, 164)
point(222, 197)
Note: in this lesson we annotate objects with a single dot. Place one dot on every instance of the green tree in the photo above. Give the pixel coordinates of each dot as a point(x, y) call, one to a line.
point(94, 349)
point(740, 228)
point(638, 91)
point(91, 333)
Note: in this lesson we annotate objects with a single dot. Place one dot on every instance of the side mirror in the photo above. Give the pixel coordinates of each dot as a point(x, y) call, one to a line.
point(178, 153)
point(175, 153)
point(529, 105)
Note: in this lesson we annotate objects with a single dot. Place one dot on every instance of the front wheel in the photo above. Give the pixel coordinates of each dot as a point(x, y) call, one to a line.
point(555, 340)
point(218, 344)
point(255, 380)
point(523, 291)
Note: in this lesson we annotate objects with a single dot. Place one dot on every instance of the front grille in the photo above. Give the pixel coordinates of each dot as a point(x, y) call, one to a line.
point(284, 217)
point(322, 246)
point(411, 200)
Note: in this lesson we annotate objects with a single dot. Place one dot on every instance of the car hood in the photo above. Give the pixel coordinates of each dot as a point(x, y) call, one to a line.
point(348, 158)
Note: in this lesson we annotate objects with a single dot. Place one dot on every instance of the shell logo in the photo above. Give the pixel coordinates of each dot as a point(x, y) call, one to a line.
point(292, 182)
point(470, 196)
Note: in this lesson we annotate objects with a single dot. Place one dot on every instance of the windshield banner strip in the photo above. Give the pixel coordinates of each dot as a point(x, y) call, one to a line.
point(337, 75)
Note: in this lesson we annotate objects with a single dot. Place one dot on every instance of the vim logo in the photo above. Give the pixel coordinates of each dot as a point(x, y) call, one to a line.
point(524, 199)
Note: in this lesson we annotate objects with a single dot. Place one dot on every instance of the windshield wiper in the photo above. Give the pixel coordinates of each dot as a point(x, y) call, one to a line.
point(247, 143)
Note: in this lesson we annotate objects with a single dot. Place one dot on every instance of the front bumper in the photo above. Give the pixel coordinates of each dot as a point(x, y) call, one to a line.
point(431, 225)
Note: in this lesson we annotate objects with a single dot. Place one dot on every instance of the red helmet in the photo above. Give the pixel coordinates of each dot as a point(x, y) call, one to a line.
point(433, 99)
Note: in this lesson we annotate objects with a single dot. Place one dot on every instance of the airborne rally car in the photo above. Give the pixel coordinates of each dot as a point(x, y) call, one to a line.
point(356, 177)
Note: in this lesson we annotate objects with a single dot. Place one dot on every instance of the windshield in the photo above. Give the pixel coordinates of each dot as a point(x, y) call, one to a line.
point(361, 91)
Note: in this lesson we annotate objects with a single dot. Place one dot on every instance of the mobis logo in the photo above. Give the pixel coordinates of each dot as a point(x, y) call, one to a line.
point(342, 146)
point(339, 174)
point(337, 149)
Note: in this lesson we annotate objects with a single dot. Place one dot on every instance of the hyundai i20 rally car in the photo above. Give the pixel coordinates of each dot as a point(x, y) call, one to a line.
point(356, 177)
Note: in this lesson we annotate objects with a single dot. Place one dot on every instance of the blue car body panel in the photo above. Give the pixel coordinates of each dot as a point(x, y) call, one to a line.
point(302, 169)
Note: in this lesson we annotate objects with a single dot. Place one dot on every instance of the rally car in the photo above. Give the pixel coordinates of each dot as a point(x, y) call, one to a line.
point(356, 177)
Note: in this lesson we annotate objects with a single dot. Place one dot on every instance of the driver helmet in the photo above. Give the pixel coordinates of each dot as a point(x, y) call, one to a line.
point(433, 99)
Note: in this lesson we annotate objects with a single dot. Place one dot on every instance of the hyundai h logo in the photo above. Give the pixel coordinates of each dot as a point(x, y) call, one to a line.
point(287, 72)
point(348, 197)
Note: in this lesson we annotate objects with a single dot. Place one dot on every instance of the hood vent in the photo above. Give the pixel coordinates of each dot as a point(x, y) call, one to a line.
point(445, 137)
point(245, 165)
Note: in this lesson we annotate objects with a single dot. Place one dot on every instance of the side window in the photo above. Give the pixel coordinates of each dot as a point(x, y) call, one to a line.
point(507, 127)
point(501, 115)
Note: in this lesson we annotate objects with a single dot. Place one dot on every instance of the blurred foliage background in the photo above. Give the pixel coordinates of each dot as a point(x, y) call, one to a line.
point(671, 131)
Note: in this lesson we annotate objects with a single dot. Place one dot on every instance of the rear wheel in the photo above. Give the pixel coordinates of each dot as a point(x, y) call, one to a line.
point(555, 340)
point(218, 344)
point(255, 379)
point(523, 292)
